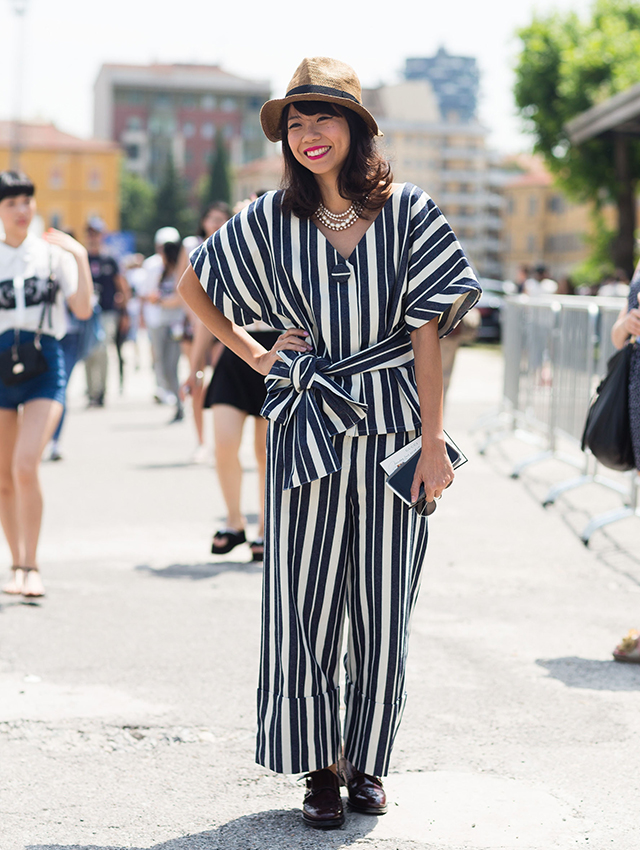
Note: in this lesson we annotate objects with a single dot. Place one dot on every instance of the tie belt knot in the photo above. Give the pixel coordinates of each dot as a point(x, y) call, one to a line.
point(303, 371)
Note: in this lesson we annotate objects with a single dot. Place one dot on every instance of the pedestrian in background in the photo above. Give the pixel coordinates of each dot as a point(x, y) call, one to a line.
point(211, 220)
point(361, 276)
point(540, 283)
point(164, 315)
point(37, 276)
point(112, 291)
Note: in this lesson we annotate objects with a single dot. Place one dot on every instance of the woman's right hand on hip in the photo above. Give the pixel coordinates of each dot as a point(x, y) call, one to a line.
point(293, 339)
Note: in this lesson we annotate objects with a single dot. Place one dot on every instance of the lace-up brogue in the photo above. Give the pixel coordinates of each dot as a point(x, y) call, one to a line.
point(322, 805)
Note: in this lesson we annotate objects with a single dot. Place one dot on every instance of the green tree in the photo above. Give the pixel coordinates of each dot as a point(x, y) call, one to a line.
point(218, 185)
point(171, 204)
point(566, 66)
point(137, 205)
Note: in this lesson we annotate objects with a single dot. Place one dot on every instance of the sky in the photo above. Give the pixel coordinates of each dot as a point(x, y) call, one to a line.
point(66, 42)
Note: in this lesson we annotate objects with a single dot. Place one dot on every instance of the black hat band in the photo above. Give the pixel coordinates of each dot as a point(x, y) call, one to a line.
point(322, 90)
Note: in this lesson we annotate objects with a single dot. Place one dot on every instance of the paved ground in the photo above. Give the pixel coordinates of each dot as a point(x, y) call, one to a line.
point(127, 695)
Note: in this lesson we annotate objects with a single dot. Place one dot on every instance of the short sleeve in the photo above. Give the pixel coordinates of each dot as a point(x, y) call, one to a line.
point(235, 265)
point(441, 282)
point(65, 270)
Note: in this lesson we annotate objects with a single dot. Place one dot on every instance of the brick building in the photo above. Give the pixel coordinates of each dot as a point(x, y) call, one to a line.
point(157, 110)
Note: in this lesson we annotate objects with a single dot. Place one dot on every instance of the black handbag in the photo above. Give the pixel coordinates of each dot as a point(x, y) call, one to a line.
point(607, 431)
point(25, 360)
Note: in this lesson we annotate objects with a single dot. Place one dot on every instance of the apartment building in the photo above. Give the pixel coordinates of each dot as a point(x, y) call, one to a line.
point(155, 111)
point(449, 159)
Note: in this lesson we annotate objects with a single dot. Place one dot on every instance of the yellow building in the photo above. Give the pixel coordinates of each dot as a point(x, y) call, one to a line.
point(74, 178)
point(540, 225)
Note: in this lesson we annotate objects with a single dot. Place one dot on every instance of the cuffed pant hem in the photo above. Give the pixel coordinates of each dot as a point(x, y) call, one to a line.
point(298, 734)
point(370, 730)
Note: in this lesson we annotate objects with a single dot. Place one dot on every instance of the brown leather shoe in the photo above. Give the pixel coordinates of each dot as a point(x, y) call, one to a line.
point(322, 805)
point(366, 794)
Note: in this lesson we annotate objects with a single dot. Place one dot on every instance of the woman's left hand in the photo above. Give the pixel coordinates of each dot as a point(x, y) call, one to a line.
point(64, 241)
point(433, 470)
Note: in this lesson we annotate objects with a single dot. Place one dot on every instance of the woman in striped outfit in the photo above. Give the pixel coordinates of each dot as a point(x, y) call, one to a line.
point(362, 276)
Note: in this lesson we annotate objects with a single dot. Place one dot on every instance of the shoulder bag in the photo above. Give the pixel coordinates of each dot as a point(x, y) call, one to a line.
point(607, 431)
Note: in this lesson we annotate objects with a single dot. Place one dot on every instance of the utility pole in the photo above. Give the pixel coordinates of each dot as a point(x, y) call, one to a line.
point(20, 9)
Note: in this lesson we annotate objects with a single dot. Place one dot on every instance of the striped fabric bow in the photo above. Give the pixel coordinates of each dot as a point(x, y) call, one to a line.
point(303, 396)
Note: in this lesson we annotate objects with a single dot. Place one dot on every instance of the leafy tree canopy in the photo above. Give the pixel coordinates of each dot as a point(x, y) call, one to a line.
point(137, 205)
point(566, 66)
point(171, 204)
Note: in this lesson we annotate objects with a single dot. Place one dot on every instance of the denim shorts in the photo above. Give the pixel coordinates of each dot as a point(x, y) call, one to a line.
point(51, 384)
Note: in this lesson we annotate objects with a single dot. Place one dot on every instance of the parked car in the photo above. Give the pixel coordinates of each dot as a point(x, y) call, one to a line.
point(490, 306)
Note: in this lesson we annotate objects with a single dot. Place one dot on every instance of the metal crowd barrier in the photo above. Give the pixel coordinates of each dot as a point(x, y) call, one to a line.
point(555, 351)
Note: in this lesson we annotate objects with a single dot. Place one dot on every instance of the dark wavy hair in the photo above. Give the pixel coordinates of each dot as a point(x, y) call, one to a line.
point(219, 206)
point(14, 183)
point(365, 177)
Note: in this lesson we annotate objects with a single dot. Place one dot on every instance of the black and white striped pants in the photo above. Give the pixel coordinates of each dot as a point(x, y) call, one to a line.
point(341, 544)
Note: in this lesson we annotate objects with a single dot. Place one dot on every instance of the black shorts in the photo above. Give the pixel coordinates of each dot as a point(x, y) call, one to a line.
point(235, 383)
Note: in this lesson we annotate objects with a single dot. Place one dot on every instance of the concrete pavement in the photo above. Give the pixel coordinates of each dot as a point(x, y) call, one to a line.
point(127, 695)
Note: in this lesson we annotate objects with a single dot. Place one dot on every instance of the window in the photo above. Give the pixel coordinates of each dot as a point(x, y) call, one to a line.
point(555, 204)
point(229, 131)
point(188, 130)
point(134, 122)
point(189, 101)
point(162, 100)
point(95, 179)
point(229, 104)
point(208, 130)
point(533, 205)
point(208, 102)
point(531, 244)
point(56, 178)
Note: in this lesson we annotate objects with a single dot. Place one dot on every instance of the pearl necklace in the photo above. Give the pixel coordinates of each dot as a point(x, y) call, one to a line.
point(338, 221)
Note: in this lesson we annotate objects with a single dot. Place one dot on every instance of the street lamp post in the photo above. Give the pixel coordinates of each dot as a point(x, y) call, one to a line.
point(20, 9)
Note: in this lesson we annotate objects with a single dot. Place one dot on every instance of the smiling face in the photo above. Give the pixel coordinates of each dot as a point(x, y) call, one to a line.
point(16, 214)
point(319, 142)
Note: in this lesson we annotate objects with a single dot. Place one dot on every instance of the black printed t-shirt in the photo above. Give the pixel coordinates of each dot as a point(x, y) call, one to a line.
point(104, 270)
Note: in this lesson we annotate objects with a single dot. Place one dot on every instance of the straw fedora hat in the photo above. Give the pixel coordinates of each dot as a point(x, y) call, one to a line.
point(321, 79)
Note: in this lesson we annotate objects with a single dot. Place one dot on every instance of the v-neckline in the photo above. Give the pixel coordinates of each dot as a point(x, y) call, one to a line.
point(364, 235)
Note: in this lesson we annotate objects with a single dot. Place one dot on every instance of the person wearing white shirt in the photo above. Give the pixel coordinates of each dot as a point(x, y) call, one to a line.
point(37, 277)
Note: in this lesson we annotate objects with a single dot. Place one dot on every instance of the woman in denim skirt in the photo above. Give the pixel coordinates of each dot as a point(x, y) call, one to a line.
point(37, 276)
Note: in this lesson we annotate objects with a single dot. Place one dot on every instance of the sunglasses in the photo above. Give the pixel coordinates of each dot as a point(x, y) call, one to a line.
point(424, 508)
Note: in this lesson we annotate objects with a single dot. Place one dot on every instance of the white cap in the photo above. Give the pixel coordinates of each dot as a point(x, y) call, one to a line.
point(166, 234)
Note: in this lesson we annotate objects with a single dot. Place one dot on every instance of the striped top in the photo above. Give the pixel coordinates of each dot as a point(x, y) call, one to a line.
point(266, 264)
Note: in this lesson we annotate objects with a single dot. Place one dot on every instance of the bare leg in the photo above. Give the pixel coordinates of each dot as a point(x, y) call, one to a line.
point(8, 505)
point(38, 422)
point(197, 403)
point(228, 423)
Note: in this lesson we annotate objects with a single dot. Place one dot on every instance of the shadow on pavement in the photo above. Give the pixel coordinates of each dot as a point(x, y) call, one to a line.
point(273, 830)
point(197, 572)
point(593, 674)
